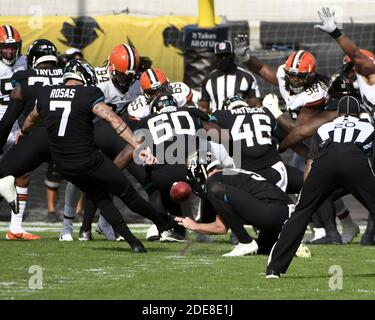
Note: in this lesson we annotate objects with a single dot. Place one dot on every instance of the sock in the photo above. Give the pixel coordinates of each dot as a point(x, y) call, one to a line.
point(16, 219)
point(346, 219)
point(69, 215)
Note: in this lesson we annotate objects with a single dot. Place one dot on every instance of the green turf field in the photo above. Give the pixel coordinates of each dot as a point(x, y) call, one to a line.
point(108, 270)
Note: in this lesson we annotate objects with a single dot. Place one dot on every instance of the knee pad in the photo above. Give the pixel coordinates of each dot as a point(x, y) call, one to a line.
point(53, 177)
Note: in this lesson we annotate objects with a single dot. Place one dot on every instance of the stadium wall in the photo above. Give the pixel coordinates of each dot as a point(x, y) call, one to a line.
point(256, 10)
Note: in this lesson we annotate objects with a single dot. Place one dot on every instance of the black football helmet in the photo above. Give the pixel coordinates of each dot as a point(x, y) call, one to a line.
point(163, 101)
point(41, 50)
point(197, 166)
point(233, 102)
point(80, 70)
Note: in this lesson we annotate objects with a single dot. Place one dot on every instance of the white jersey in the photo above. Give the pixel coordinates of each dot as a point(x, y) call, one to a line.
point(140, 107)
point(181, 92)
point(309, 97)
point(367, 92)
point(112, 95)
point(6, 88)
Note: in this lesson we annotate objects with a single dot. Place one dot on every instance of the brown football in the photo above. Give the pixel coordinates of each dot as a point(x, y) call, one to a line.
point(180, 191)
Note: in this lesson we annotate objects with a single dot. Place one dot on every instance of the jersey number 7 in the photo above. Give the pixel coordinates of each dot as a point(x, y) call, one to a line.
point(66, 105)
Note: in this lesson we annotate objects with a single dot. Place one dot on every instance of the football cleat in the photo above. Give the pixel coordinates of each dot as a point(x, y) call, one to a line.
point(137, 247)
point(21, 236)
point(328, 239)
point(66, 237)
point(9, 193)
point(104, 228)
point(172, 236)
point(85, 236)
point(243, 249)
point(152, 233)
point(303, 252)
point(271, 274)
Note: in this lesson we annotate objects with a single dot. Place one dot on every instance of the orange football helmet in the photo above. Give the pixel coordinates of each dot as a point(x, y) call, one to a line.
point(10, 45)
point(300, 70)
point(123, 64)
point(154, 82)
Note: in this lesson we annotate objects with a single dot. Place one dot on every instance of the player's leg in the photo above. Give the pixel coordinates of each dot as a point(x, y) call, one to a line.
point(52, 182)
point(93, 187)
point(117, 184)
point(317, 187)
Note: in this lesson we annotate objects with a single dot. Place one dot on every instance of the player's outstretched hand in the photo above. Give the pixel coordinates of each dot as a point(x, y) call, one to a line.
point(328, 20)
point(271, 102)
point(241, 49)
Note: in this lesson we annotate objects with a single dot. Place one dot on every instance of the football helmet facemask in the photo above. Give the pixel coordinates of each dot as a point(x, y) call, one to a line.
point(123, 64)
point(300, 70)
point(10, 45)
point(197, 167)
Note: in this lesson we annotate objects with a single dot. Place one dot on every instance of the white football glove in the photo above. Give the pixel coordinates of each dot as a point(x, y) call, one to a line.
point(328, 21)
point(241, 49)
point(271, 102)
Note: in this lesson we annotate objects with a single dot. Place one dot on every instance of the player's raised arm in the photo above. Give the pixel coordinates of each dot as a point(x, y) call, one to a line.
point(242, 51)
point(363, 64)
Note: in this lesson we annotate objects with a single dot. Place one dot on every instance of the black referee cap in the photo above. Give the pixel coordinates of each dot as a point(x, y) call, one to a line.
point(348, 105)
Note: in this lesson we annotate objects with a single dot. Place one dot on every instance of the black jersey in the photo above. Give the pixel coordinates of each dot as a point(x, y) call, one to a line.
point(251, 128)
point(68, 117)
point(30, 80)
point(173, 133)
point(251, 183)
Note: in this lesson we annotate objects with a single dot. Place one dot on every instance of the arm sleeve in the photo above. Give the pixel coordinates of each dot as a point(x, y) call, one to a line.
point(96, 96)
point(314, 147)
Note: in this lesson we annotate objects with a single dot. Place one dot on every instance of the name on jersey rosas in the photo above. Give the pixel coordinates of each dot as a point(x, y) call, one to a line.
point(62, 93)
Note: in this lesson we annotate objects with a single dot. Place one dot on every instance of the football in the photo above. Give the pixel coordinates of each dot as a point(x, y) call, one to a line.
point(180, 191)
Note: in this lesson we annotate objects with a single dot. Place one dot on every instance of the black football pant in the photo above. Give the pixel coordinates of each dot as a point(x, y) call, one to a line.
point(27, 155)
point(110, 143)
point(237, 208)
point(344, 166)
point(108, 179)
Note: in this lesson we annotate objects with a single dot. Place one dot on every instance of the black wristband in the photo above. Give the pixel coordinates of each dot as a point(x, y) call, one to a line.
point(336, 33)
point(24, 132)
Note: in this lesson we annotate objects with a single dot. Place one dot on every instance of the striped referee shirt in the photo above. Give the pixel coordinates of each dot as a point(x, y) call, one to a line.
point(344, 130)
point(218, 85)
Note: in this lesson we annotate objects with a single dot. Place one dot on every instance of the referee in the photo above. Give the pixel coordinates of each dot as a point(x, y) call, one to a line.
point(227, 80)
point(340, 153)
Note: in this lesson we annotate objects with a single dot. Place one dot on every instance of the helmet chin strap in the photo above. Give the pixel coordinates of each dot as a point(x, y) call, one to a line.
point(296, 89)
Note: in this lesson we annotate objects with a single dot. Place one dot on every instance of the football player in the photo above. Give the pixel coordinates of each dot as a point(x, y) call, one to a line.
point(19, 106)
point(305, 93)
point(68, 111)
point(171, 133)
point(236, 197)
point(251, 131)
point(363, 63)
